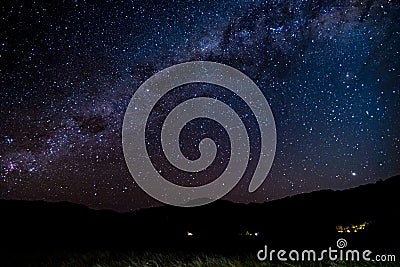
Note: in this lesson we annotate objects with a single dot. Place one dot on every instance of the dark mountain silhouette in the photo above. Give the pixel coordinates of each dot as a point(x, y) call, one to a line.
point(308, 220)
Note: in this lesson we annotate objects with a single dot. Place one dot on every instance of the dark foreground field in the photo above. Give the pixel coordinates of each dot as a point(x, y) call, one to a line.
point(219, 234)
point(125, 259)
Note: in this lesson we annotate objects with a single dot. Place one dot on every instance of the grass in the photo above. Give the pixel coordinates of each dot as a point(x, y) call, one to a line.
point(118, 259)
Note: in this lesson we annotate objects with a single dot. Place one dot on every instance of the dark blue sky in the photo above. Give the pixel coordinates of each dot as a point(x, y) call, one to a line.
point(329, 70)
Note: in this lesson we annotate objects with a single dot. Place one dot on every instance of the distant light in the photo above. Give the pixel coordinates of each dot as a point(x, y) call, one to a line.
point(353, 173)
point(353, 228)
point(189, 233)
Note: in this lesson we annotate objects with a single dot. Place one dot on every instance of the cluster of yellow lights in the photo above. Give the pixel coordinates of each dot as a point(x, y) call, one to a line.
point(354, 228)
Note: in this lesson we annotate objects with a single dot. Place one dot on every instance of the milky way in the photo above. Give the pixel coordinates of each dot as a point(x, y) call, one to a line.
point(329, 70)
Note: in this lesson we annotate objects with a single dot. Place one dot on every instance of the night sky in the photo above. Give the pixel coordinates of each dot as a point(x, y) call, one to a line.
point(330, 71)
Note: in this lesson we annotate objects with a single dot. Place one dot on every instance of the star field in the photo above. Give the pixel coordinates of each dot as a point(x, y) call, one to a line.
point(329, 70)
